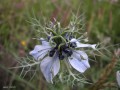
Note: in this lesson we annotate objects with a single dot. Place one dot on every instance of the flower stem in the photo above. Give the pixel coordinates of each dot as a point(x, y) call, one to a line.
point(59, 37)
point(67, 66)
point(70, 70)
point(54, 33)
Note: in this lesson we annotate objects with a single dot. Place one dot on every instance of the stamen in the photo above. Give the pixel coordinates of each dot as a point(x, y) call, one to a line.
point(48, 38)
point(61, 57)
point(52, 52)
point(71, 37)
point(73, 44)
point(68, 52)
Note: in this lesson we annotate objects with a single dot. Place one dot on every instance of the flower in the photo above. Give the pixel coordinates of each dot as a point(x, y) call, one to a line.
point(118, 77)
point(51, 56)
point(23, 43)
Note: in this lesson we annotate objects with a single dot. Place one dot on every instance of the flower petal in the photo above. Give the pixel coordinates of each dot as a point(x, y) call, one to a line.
point(82, 56)
point(39, 51)
point(44, 42)
point(83, 45)
point(86, 45)
point(50, 67)
point(78, 63)
point(73, 40)
point(118, 77)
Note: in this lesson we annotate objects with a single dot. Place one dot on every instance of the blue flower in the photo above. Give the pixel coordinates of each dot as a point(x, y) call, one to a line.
point(118, 77)
point(51, 56)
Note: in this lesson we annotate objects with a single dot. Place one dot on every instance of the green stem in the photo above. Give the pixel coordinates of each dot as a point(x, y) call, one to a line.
point(54, 37)
point(60, 45)
point(67, 66)
point(69, 32)
point(55, 34)
point(63, 39)
point(70, 70)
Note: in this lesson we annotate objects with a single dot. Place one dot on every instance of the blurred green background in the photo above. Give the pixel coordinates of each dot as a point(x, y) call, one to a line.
point(102, 22)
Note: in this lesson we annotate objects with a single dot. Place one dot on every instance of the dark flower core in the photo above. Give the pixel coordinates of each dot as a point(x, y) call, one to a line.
point(64, 50)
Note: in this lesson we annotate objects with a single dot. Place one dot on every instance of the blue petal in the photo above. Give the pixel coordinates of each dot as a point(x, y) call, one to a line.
point(80, 55)
point(118, 77)
point(82, 45)
point(83, 57)
point(44, 42)
point(77, 62)
point(40, 51)
point(50, 67)
point(86, 45)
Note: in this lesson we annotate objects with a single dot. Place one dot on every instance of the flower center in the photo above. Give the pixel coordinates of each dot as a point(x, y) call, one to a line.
point(52, 52)
point(63, 51)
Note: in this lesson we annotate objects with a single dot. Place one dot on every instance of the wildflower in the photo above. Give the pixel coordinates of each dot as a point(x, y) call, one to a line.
point(118, 77)
point(23, 43)
point(52, 54)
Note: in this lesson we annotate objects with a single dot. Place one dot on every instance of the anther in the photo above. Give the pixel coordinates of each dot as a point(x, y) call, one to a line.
point(61, 57)
point(73, 44)
point(52, 52)
point(68, 52)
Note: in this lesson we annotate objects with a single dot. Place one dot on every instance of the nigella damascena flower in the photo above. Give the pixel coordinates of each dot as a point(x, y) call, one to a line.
point(52, 54)
point(118, 77)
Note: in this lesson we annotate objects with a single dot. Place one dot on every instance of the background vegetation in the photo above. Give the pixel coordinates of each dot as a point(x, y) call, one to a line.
point(102, 19)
